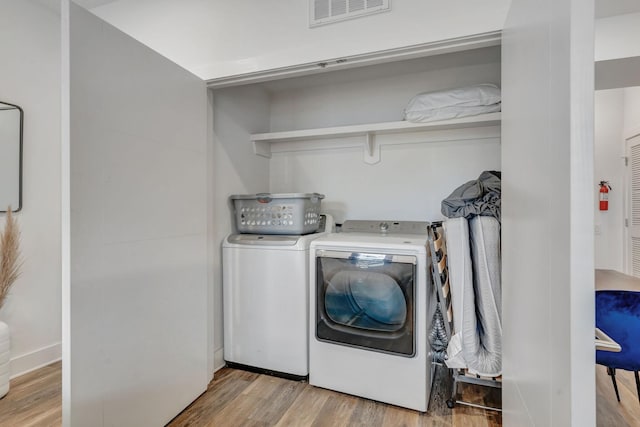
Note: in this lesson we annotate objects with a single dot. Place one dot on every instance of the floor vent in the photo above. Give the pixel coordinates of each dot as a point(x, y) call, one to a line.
point(323, 12)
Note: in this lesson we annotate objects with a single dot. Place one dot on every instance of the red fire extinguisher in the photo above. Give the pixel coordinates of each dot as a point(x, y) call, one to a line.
point(604, 195)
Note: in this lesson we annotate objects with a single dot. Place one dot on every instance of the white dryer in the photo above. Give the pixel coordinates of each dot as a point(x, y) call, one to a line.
point(371, 299)
point(265, 300)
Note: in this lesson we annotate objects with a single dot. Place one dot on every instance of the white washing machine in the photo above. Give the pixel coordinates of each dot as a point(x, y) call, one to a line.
point(265, 300)
point(371, 299)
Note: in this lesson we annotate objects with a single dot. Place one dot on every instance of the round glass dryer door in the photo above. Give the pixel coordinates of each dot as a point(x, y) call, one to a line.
point(366, 300)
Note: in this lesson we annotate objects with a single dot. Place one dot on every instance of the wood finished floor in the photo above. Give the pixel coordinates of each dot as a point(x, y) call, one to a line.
point(609, 411)
point(34, 399)
point(239, 398)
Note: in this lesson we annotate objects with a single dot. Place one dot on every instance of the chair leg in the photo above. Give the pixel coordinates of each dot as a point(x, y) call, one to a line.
point(637, 384)
point(612, 373)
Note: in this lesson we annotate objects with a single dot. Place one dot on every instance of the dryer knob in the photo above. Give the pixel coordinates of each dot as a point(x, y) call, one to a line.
point(384, 226)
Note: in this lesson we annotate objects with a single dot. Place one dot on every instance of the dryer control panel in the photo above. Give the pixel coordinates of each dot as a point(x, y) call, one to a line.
point(385, 227)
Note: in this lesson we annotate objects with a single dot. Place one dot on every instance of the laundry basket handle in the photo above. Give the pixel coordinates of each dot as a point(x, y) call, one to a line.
point(264, 197)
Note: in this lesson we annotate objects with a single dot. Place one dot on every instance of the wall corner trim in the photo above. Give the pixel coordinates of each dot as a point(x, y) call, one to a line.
point(218, 360)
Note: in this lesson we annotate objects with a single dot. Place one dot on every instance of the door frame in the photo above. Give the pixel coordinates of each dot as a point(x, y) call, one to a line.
point(626, 250)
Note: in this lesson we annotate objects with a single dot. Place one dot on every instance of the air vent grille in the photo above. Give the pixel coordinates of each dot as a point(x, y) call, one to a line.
point(321, 9)
point(323, 12)
point(635, 185)
point(338, 7)
point(357, 5)
point(635, 256)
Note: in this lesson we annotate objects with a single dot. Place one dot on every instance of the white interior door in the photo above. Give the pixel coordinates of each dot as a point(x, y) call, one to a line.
point(547, 242)
point(633, 209)
point(134, 229)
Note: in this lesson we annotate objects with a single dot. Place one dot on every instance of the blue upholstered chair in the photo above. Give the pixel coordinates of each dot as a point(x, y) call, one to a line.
point(618, 315)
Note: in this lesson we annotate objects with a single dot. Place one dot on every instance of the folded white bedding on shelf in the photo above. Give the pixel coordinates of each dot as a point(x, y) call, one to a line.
point(453, 103)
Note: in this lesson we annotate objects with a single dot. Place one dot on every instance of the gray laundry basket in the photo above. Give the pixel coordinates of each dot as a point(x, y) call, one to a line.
point(284, 213)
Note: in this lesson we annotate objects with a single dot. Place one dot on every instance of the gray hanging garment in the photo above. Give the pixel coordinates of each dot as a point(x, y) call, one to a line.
point(480, 197)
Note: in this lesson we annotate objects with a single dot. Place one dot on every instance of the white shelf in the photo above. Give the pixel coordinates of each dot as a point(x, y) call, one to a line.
point(262, 141)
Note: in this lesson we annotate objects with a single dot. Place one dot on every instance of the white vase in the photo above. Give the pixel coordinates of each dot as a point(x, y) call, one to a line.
point(5, 356)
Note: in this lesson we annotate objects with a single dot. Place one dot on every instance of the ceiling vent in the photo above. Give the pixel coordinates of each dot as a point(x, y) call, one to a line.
point(323, 12)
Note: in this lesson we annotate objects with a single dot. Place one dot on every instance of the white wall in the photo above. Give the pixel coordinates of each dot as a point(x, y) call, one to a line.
point(138, 231)
point(609, 166)
point(617, 37)
point(547, 214)
point(408, 184)
point(238, 113)
point(617, 51)
point(30, 77)
point(617, 115)
point(222, 38)
point(376, 93)
point(411, 180)
point(631, 110)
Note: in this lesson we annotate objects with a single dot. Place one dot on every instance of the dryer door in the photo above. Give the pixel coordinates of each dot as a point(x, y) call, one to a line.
point(366, 300)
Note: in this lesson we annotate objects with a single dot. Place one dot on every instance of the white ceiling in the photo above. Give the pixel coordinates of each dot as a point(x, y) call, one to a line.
point(603, 8)
point(88, 4)
point(606, 8)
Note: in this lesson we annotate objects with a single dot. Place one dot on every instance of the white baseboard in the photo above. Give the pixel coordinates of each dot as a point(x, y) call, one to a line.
point(28, 362)
point(218, 360)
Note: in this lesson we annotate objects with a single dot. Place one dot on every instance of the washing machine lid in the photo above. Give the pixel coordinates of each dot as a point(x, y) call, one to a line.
point(263, 239)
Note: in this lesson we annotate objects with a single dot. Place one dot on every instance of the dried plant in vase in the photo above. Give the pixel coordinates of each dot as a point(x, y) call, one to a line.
point(10, 262)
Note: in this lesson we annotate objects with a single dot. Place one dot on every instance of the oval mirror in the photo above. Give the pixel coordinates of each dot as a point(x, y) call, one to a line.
point(11, 118)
